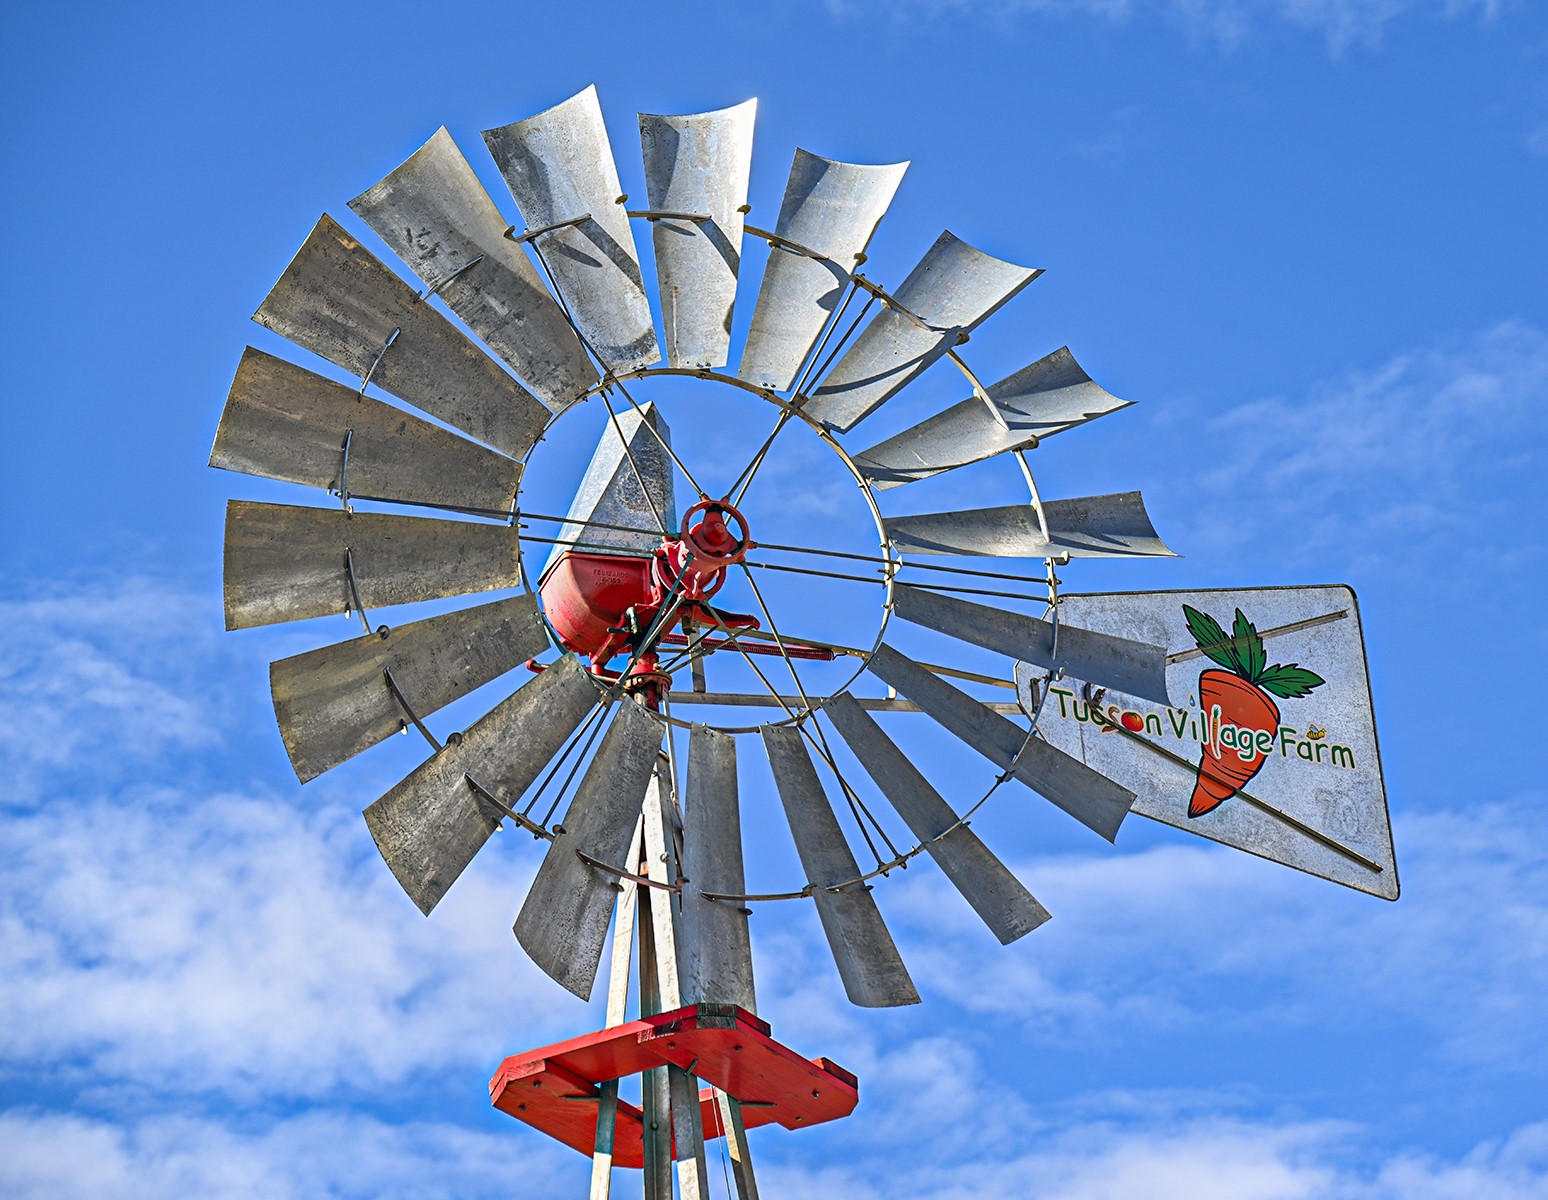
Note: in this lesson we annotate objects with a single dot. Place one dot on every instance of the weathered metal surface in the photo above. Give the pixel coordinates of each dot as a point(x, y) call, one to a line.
point(831, 208)
point(285, 563)
point(1138, 668)
point(1316, 801)
point(559, 166)
point(339, 300)
point(996, 895)
point(698, 164)
point(1091, 798)
point(563, 922)
point(952, 290)
point(438, 218)
point(430, 825)
point(334, 702)
point(283, 422)
point(1038, 401)
point(1115, 526)
point(715, 948)
point(611, 491)
point(868, 962)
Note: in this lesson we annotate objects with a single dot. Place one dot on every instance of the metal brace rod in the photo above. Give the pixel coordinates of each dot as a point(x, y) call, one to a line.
point(377, 361)
point(405, 706)
point(343, 493)
point(529, 234)
point(354, 589)
point(527, 823)
point(656, 214)
point(641, 880)
point(434, 289)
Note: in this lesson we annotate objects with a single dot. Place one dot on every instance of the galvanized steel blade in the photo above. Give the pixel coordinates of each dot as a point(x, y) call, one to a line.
point(334, 702)
point(437, 217)
point(285, 563)
point(563, 922)
point(996, 895)
point(868, 962)
point(698, 165)
point(624, 488)
point(1092, 799)
point(1049, 396)
point(951, 291)
point(831, 208)
point(714, 949)
point(339, 300)
point(284, 422)
point(1114, 526)
point(559, 166)
point(430, 825)
point(1135, 668)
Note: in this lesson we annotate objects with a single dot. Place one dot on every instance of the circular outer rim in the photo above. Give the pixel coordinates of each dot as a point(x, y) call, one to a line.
point(893, 557)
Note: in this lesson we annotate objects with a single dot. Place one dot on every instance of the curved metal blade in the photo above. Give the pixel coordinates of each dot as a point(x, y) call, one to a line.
point(873, 973)
point(714, 949)
point(996, 895)
point(339, 300)
point(334, 702)
point(698, 164)
point(831, 208)
point(953, 289)
point(1092, 799)
point(563, 922)
point(559, 166)
point(1038, 401)
point(285, 563)
point(1115, 526)
point(430, 825)
point(438, 218)
point(283, 422)
point(611, 493)
point(1135, 668)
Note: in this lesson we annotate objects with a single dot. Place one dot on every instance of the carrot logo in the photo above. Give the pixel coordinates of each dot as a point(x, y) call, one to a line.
point(1241, 718)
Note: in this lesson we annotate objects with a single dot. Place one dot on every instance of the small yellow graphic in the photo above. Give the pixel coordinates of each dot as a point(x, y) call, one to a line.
point(1315, 733)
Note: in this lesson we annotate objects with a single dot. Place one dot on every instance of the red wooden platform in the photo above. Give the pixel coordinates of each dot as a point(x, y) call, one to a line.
point(555, 1088)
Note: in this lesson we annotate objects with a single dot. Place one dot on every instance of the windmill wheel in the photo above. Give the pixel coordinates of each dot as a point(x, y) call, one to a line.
point(643, 602)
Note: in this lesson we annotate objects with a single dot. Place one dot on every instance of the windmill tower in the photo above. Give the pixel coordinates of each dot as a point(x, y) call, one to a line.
point(660, 574)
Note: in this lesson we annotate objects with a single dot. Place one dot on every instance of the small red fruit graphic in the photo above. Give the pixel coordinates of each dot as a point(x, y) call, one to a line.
point(1133, 722)
point(1237, 696)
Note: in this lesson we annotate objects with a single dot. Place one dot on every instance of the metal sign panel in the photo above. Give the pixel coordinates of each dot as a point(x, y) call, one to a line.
point(1270, 742)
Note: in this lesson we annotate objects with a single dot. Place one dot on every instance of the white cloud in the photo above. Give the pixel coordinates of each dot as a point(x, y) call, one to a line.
point(45, 1156)
point(1155, 940)
point(1407, 463)
point(1341, 23)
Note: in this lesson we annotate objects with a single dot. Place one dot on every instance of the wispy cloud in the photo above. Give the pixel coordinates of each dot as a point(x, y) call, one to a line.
point(1412, 459)
point(1341, 23)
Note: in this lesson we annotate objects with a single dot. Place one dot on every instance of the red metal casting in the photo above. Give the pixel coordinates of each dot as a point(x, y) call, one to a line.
point(555, 1088)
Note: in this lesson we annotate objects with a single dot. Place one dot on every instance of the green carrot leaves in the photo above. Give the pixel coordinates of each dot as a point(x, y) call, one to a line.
point(1289, 681)
point(1242, 654)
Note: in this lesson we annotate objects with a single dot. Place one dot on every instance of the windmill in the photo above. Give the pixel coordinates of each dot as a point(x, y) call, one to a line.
point(636, 804)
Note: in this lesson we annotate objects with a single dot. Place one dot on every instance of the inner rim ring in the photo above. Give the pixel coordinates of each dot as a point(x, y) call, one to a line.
point(892, 557)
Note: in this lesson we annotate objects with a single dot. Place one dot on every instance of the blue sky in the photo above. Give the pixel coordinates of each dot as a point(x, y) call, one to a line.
point(1305, 235)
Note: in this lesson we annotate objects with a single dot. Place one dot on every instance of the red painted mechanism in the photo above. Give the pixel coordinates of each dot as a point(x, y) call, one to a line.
point(555, 1088)
point(604, 605)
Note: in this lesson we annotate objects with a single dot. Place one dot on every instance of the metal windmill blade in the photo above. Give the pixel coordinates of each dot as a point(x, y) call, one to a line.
point(1049, 396)
point(1253, 730)
point(339, 301)
point(438, 218)
point(1115, 526)
point(559, 166)
point(952, 290)
point(828, 215)
point(696, 172)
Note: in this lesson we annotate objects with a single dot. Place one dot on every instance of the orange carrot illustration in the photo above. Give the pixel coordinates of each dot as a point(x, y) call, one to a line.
point(1241, 719)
